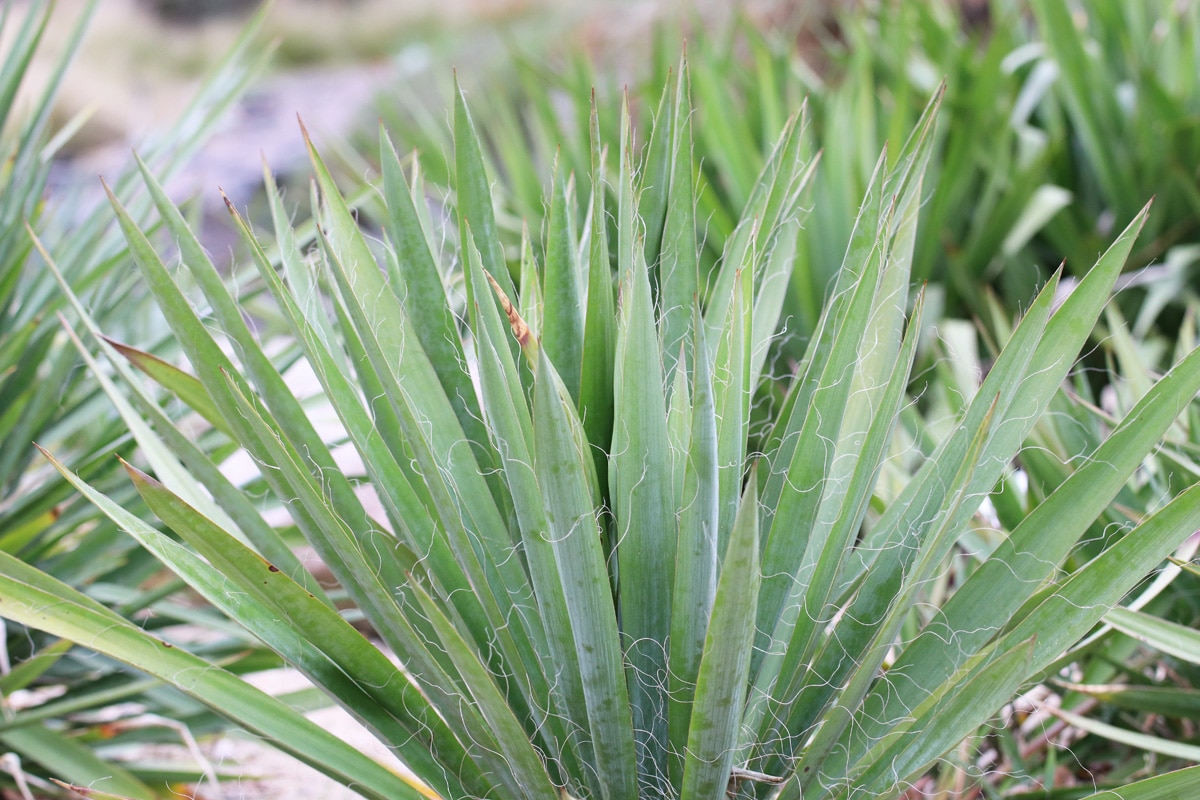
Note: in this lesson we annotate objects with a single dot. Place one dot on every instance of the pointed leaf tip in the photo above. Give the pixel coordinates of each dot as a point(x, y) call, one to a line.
point(519, 328)
point(84, 791)
point(304, 131)
point(138, 476)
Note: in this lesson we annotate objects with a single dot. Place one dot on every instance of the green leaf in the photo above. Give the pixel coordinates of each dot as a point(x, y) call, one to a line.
point(972, 616)
point(679, 266)
point(562, 327)
point(654, 182)
point(371, 430)
point(1044, 368)
point(599, 331)
point(509, 416)
point(838, 715)
point(218, 375)
point(941, 725)
point(725, 132)
point(479, 534)
point(864, 441)
point(474, 195)
point(1163, 635)
point(398, 713)
point(319, 642)
point(562, 465)
point(1181, 783)
point(515, 763)
point(732, 391)
point(697, 559)
point(387, 330)
point(1059, 616)
point(1163, 700)
point(422, 293)
point(784, 440)
point(639, 477)
point(789, 555)
point(1093, 112)
point(166, 442)
point(183, 385)
point(762, 225)
point(1141, 741)
point(16, 61)
point(724, 666)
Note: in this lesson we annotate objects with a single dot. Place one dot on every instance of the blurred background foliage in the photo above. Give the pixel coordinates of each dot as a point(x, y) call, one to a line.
point(67, 713)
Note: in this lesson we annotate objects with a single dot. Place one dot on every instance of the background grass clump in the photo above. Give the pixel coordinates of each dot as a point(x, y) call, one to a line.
point(1060, 120)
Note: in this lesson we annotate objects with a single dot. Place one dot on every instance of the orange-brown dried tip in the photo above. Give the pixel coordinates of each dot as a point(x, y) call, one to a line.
point(519, 328)
point(82, 791)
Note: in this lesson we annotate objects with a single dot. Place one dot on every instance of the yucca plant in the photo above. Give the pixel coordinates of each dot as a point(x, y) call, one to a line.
point(597, 577)
point(1133, 676)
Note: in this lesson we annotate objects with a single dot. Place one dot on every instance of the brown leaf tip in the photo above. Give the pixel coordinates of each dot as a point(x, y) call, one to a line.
point(519, 328)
